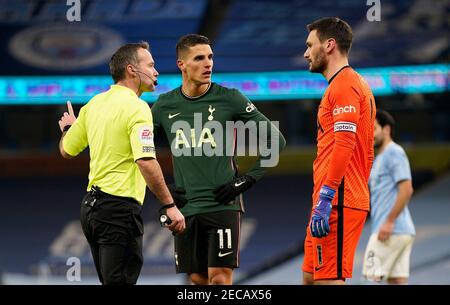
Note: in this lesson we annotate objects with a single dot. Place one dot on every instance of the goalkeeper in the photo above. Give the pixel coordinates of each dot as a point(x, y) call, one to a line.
point(341, 170)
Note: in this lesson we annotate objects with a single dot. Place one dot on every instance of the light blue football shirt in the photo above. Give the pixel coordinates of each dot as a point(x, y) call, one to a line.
point(389, 168)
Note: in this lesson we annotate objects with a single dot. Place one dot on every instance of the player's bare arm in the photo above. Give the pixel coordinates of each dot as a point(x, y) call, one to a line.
point(405, 192)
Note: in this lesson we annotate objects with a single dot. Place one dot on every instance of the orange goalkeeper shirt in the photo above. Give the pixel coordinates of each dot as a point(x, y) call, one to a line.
point(345, 123)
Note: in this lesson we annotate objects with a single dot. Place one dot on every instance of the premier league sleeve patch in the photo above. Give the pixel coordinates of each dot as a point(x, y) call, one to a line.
point(146, 139)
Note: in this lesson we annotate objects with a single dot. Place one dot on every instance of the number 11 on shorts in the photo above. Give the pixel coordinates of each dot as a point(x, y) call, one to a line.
point(228, 233)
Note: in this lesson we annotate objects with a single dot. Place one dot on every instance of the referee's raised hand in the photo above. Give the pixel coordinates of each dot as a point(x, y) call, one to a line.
point(68, 118)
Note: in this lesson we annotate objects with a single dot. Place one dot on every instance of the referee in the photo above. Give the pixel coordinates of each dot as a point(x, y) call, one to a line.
point(118, 128)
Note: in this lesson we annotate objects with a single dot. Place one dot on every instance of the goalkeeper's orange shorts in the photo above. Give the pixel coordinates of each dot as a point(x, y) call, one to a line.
point(331, 257)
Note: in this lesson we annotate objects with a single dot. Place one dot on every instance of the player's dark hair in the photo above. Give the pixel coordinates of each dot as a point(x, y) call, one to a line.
point(190, 40)
point(384, 118)
point(126, 54)
point(333, 27)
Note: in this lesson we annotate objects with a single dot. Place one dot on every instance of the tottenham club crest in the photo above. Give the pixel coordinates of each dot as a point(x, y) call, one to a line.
point(211, 110)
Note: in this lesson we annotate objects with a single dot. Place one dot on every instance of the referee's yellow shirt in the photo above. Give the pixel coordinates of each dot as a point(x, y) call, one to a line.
point(118, 128)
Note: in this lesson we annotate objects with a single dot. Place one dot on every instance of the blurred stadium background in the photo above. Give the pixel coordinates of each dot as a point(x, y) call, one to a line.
point(258, 45)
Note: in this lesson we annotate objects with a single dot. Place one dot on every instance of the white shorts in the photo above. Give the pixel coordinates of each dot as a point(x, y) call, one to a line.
point(389, 259)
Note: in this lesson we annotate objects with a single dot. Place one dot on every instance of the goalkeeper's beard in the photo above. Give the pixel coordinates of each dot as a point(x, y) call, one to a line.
point(320, 63)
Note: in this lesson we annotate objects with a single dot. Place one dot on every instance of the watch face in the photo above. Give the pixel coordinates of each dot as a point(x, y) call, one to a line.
point(163, 219)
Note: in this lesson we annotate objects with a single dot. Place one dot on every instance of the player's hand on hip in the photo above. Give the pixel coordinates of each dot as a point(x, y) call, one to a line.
point(178, 223)
point(178, 195)
point(229, 191)
point(319, 224)
point(68, 117)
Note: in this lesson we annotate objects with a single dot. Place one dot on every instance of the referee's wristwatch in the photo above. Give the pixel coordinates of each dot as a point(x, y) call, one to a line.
point(66, 128)
point(163, 218)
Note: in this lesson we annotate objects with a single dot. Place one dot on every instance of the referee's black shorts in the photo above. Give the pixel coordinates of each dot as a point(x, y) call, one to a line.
point(113, 228)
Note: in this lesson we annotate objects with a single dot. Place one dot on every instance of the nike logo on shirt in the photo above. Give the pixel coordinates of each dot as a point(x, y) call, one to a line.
point(173, 115)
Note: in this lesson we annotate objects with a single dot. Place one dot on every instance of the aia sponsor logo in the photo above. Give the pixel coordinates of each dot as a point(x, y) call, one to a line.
point(346, 109)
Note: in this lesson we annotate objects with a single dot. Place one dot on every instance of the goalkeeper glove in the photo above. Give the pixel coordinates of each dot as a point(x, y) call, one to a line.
point(178, 195)
point(319, 225)
point(228, 191)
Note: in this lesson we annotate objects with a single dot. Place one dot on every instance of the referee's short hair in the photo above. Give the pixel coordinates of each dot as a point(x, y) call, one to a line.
point(190, 40)
point(384, 118)
point(126, 54)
